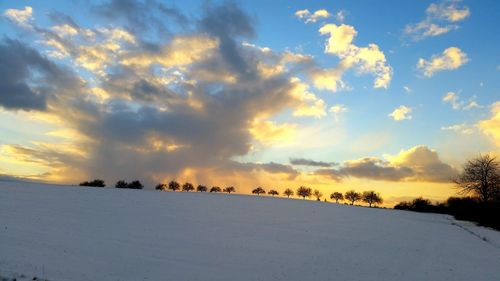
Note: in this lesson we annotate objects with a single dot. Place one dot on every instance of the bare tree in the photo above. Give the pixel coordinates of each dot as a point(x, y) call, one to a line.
point(481, 177)
point(273, 192)
point(201, 188)
point(304, 192)
point(230, 189)
point(352, 196)
point(317, 194)
point(215, 189)
point(187, 187)
point(288, 192)
point(173, 185)
point(337, 196)
point(259, 190)
point(371, 197)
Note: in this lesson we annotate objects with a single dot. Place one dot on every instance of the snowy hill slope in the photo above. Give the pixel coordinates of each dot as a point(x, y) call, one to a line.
point(77, 233)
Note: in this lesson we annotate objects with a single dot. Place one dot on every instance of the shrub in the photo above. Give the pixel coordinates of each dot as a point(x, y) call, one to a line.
point(121, 184)
point(173, 185)
point(230, 189)
point(96, 183)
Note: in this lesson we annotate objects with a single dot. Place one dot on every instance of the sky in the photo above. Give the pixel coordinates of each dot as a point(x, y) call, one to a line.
point(391, 96)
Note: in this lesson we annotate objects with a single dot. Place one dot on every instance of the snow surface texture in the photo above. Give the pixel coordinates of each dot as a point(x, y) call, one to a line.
point(83, 233)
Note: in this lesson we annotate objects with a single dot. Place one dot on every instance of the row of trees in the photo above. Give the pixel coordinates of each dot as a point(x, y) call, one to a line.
point(369, 197)
point(175, 186)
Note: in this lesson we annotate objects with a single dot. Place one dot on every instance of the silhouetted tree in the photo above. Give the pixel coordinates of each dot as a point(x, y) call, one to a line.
point(215, 189)
point(352, 196)
point(201, 188)
point(173, 185)
point(187, 187)
point(371, 197)
point(259, 190)
point(288, 192)
point(273, 192)
point(121, 184)
point(230, 189)
point(135, 185)
point(481, 177)
point(317, 194)
point(304, 192)
point(337, 196)
point(96, 183)
point(161, 186)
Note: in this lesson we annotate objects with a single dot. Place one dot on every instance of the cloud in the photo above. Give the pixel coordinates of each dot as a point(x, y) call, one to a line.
point(440, 19)
point(460, 128)
point(401, 113)
point(314, 17)
point(491, 126)
point(457, 104)
point(141, 17)
point(451, 58)
point(337, 110)
point(184, 106)
point(28, 79)
point(22, 17)
point(407, 89)
point(425, 163)
point(309, 162)
point(363, 59)
point(415, 164)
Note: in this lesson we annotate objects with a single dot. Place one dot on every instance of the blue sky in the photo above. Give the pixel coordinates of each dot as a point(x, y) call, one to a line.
point(446, 109)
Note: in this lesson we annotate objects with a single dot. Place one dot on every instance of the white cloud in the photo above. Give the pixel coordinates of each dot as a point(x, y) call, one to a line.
point(491, 126)
point(451, 58)
point(440, 19)
point(340, 16)
point(337, 110)
point(459, 128)
point(401, 113)
point(314, 17)
point(452, 98)
point(407, 89)
point(456, 104)
point(364, 59)
point(20, 17)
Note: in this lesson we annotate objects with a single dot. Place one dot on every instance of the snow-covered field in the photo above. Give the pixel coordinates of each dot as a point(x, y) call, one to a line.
point(83, 233)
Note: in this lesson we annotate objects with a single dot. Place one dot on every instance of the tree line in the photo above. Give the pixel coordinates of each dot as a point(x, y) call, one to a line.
point(371, 197)
point(479, 183)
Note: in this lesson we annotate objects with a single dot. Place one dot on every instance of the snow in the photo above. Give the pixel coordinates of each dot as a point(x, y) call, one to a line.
point(83, 233)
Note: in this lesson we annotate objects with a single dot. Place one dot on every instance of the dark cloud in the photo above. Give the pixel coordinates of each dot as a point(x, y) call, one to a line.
point(309, 162)
point(141, 16)
point(228, 22)
point(28, 78)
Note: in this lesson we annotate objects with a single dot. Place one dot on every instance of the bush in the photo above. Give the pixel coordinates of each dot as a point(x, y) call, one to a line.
point(187, 187)
point(230, 189)
point(96, 183)
point(161, 186)
point(121, 184)
point(135, 185)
